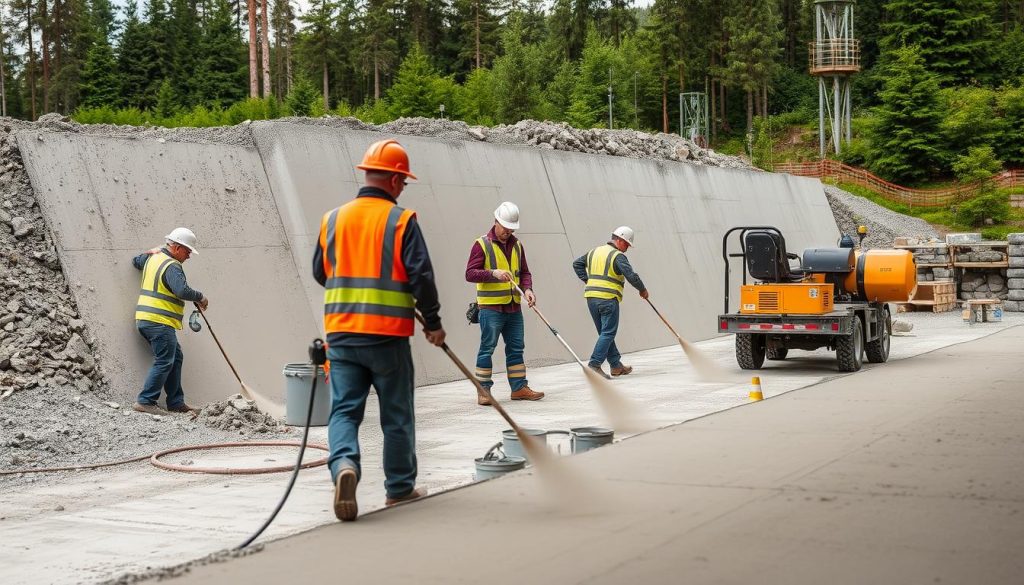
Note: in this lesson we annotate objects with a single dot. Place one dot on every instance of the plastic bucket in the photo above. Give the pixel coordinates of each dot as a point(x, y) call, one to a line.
point(496, 463)
point(512, 446)
point(298, 379)
point(587, 438)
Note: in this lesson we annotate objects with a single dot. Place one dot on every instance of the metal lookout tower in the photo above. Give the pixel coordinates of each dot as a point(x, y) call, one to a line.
point(834, 58)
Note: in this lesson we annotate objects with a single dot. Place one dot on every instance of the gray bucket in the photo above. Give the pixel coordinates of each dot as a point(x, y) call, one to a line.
point(587, 438)
point(496, 463)
point(513, 448)
point(298, 378)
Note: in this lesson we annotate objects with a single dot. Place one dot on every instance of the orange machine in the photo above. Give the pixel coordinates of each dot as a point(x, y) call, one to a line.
point(798, 298)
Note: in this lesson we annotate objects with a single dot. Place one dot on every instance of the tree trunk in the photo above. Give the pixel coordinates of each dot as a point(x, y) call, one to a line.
point(750, 111)
point(45, 41)
point(664, 103)
point(31, 58)
point(477, 32)
point(327, 99)
point(254, 84)
point(264, 26)
point(3, 87)
point(713, 122)
point(58, 34)
point(376, 78)
point(289, 79)
point(764, 100)
point(723, 111)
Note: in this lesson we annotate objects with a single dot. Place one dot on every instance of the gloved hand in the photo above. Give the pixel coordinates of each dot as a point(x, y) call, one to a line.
point(502, 275)
point(435, 337)
point(531, 299)
point(644, 294)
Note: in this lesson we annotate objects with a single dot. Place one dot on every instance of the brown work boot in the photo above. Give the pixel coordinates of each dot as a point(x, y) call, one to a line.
point(184, 408)
point(148, 409)
point(525, 393)
point(345, 507)
point(621, 370)
point(413, 495)
point(483, 400)
point(600, 371)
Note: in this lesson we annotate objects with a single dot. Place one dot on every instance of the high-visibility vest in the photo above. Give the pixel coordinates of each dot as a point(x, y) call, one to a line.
point(367, 289)
point(156, 302)
point(603, 281)
point(499, 293)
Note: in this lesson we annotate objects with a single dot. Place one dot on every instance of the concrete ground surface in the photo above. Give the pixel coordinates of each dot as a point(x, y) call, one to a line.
point(909, 473)
point(131, 518)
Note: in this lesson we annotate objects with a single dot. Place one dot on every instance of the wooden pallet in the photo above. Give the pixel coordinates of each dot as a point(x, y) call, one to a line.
point(935, 296)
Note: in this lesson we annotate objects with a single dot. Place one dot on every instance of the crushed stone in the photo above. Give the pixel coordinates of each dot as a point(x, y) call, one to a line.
point(238, 414)
point(884, 225)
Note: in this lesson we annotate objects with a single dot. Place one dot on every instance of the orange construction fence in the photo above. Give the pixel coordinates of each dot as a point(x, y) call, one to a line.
point(843, 173)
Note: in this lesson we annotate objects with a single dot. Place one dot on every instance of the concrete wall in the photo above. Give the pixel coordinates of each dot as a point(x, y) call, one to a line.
point(257, 213)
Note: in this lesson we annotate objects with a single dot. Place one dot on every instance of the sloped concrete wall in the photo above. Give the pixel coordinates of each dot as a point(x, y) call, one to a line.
point(257, 213)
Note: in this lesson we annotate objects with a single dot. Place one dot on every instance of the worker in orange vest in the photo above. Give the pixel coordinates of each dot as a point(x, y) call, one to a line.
point(373, 263)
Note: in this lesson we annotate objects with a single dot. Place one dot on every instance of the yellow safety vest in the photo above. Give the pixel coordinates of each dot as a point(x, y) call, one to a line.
point(498, 293)
point(603, 281)
point(156, 302)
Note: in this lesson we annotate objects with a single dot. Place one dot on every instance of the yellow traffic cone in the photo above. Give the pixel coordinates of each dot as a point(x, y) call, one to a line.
point(755, 392)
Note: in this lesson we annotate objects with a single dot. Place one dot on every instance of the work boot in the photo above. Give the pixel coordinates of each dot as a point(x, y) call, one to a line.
point(483, 400)
point(525, 393)
point(345, 507)
point(183, 408)
point(600, 371)
point(148, 409)
point(621, 370)
point(413, 495)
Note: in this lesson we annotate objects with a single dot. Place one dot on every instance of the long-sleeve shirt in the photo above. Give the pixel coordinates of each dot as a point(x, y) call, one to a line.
point(622, 266)
point(475, 271)
point(418, 267)
point(174, 277)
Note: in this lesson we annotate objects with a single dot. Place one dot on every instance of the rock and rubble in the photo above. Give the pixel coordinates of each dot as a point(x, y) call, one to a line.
point(884, 225)
point(238, 414)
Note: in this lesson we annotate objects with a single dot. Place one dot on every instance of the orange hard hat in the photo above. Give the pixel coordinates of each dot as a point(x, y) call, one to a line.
point(386, 155)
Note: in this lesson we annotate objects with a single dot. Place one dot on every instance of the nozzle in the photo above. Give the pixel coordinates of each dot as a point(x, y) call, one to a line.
point(318, 352)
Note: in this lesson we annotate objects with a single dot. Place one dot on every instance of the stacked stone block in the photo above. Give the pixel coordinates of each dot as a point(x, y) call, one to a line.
point(1015, 274)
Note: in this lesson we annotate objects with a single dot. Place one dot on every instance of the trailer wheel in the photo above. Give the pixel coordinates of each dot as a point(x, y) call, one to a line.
point(750, 351)
point(850, 349)
point(878, 350)
point(777, 354)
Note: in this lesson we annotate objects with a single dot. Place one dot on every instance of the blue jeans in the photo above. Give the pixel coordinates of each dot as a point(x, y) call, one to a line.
point(510, 327)
point(388, 368)
point(605, 313)
point(166, 369)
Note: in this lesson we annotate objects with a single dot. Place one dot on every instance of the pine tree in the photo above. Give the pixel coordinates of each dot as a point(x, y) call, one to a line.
point(166, 101)
point(380, 49)
point(517, 88)
point(601, 67)
point(159, 49)
point(478, 24)
point(282, 22)
point(133, 60)
point(751, 50)
point(99, 85)
point(317, 39)
point(186, 35)
point(906, 132)
point(302, 97)
point(221, 73)
point(411, 93)
point(955, 37)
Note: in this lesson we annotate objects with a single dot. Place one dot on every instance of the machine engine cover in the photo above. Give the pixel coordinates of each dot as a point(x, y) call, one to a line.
point(830, 260)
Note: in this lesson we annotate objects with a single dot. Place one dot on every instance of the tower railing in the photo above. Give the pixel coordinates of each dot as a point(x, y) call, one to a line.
point(834, 56)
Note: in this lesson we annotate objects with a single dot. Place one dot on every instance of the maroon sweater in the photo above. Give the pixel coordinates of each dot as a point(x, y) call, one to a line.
point(475, 271)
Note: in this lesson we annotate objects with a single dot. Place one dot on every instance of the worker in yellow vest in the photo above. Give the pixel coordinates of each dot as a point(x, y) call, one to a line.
point(158, 315)
point(605, 270)
point(373, 263)
point(496, 260)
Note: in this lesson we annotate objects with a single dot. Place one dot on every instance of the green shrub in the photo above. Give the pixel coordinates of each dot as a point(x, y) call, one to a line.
point(132, 117)
point(375, 112)
point(302, 97)
point(250, 109)
point(994, 205)
point(100, 115)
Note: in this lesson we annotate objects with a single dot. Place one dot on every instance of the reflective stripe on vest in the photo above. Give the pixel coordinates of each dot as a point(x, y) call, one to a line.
point(603, 281)
point(499, 293)
point(156, 302)
point(367, 289)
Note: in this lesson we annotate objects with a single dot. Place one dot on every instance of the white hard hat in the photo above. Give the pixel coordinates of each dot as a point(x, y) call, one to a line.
point(185, 237)
point(507, 215)
point(625, 232)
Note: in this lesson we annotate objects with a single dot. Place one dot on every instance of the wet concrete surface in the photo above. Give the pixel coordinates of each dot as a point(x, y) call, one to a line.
point(130, 518)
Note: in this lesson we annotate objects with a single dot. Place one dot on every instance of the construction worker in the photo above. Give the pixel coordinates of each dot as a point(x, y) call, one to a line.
point(496, 260)
point(158, 315)
point(604, 270)
point(372, 260)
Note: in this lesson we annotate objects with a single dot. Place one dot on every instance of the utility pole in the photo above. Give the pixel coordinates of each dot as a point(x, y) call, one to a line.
point(636, 123)
point(609, 98)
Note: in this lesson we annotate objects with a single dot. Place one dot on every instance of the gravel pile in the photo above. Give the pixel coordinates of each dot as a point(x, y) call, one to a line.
point(884, 225)
point(238, 414)
point(44, 344)
point(548, 136)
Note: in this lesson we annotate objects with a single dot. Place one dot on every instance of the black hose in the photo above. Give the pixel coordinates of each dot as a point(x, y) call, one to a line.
point(316, 353)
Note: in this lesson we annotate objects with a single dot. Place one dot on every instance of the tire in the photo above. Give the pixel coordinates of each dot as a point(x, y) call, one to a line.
point(878, 350)
point(777, 354)
point(850, 349)
point(750, 351)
